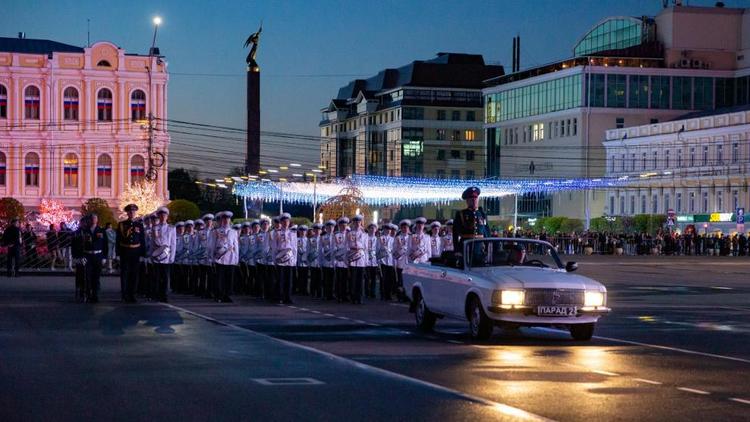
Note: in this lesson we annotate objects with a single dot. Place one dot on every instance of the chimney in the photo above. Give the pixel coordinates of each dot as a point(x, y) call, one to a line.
point(21, 35)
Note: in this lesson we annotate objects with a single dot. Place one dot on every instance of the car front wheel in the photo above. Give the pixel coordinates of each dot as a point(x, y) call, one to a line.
point(424, 317)
point(480, 325)
point(582, 332)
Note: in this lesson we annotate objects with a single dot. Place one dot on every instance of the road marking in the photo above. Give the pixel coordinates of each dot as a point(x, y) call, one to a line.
point(647, 381)
point(455, 342)
point(275, 382)
point(372, 324)
point(329, 315)
point(303, 309)
point(721, 288)
point(342, 317)
point(359, 321)
point(500, 407)
point(694, 391)
point(673, 349)
point(293, 307)
point(402, 305)
point(607, 373)
point(743, 401)
point(316, 312)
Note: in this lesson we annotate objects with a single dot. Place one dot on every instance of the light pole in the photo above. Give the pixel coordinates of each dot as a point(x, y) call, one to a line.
point(151, 173)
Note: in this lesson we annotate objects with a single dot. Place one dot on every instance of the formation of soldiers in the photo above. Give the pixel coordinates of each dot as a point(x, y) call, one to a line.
point(341, 260)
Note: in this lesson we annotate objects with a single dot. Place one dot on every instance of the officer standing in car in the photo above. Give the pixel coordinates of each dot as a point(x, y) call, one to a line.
point(470, 222)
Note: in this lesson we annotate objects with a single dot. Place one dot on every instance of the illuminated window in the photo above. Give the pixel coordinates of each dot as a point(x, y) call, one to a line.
point(137, 169)
point(469, 135)
point(537, 131)
point(3, 102)
point(31, 169)
point(137, 105)
point(31, 103)
point(104, 171)
point(70, 104)
point(70, 170)
point(104, 105)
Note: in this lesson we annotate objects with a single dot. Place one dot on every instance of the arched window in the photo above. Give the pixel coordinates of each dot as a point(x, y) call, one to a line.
point(3, 102)
point(70, 104)
point(31, 169)
point(104, 171)
point(31, 102)
point(138, 105)
point(3, 162)
point(70, 170)
point(104, 63)
point(137, 169)
point(104, 105)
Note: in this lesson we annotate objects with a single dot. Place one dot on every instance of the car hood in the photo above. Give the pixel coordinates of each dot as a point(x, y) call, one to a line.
point(537, 278)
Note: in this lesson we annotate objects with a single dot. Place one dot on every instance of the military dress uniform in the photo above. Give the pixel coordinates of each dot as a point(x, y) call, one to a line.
point(436, 243)
point(357, 257)
point(327, 261)
point(261, 265)
point(89, 249)
point(223, 249)
point(131, 247)
point(246, 240)
point(385, 260)
point(447, 238)
point(300, 285)
point(313, 262)
point(469, 224)
point(371, 272)
point(205, 264)
point(163, 248)
point(420, 249)
point(401, 256)
point(284, 246)
point(177, 279)
point(340, 261)
point(252, 268)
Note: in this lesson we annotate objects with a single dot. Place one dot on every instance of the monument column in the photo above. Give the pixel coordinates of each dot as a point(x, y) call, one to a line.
point(252, 157)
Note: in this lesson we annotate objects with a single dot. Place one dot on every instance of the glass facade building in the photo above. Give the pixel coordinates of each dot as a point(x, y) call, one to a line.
point(614, 34)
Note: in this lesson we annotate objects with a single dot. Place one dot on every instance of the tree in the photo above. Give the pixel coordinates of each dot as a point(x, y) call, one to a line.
point(569, 225)
point(101, 208)
point(10, 208)
point(53, 212)
point(182, 185)
point(143, 195)
point(182, 209)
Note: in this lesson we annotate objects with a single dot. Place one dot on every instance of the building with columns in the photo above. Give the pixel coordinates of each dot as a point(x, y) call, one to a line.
point(74, 121)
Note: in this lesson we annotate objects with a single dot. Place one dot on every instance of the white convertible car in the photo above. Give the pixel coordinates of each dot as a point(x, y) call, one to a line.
point(507, 282)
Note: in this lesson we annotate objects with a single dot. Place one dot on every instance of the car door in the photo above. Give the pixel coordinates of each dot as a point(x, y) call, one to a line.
point(454, 283)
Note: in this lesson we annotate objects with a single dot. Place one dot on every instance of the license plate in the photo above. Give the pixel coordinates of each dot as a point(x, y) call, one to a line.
point(558, 311)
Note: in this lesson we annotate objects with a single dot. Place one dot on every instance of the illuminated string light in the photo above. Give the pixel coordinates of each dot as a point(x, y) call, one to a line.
point(405, 191)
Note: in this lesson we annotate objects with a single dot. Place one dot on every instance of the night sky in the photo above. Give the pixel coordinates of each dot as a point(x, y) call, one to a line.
point(308, 50)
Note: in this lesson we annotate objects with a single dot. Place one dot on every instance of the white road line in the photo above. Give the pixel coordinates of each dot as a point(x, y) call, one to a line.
point(743, 401)
point(455, 342)
point(293, 307)
point(316, 312)
point(359, 321)
point(693, 390)
point(673, 349)
point(607, 373)
point(342, 317)
point(505, 409)
point(329, 315)
point(303, 309)
point(373, 324)
point(647, 381)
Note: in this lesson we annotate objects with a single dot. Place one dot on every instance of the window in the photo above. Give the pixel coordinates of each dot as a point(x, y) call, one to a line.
point(597, 90)
point(654, 204)
point(719, 154)
point(705, 202)
point(735, 200)
point(31, 102)
point(455, 174)
point(622, 205)
point(660, 92)
point(70, 170)
point(619, 122)
point(471, 116)
point(440, 174)
point(653, 121)
point(537, 130)
point(104, 105)
point(469, 174)
point(678, 202)
point(138, 105)
point(666, 159)
point(735, 153)
point(137, 169)
point(666, 202)
point(613, 34)
point(612, 164)
point(655, 161)
point(616, 90)
point(455, 153)
point(413, 113)
point(441, 114)
point(3, 102)
point(456, 136)
point(469, 135)
point(575, 127)
point(704, 93)
point(622, 163)
point(31, 169)
point(611, 205)
point(3, 162)
point(679, 158)
point(104, 171)
point(469, 155)
point(456, 115)
point(440, 134)
point(104, 63)
point(705, 155)
point(691, 202)
point(632, 162)
point(638, 93)
point(719, 201)
point(632, 205)
point(692, 156)
point(441, 155)
point(682, 92)
point(643, 161)
point(643, 204)
point(70, 104)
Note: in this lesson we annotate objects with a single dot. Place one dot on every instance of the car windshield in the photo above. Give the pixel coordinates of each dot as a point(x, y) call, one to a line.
point(510, 252)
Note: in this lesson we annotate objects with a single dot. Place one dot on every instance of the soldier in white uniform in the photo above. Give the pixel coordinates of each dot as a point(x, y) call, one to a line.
point(448, 237)
point(178, 272)
point(163, 246)
point(340, 262)
point(272, 284)
point(436, 244)
point(284, 245)
point(197, 250)
point(326, 258)
point(313, 262)
point(206, 275)
point(420, 250)
point(245, 258)
point(255, 289)
point(187, 258)
point(300, 281)
point(371, 273)
point(223, 248)
point(358, 259)
point(385, 260)
point(262, 268)
point(401, 256)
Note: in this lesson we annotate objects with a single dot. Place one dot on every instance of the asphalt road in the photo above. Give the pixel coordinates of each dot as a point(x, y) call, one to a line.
point(677, 347)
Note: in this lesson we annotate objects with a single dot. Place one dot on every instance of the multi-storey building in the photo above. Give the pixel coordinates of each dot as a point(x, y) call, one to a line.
point(698, 166)
point(74, 121)
point(422, 119)
point(550, 121)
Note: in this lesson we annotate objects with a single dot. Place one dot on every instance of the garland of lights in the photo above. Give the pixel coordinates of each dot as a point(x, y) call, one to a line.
point(384, 191)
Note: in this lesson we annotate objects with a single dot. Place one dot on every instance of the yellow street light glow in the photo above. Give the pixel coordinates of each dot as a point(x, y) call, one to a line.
point(322, 167)
point(310, 174)
point(157, 20)
point(262, 172)
point(283, 168)
point(282, 179)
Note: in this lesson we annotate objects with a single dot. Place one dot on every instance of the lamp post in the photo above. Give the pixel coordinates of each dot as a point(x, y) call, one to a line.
point(151, 173)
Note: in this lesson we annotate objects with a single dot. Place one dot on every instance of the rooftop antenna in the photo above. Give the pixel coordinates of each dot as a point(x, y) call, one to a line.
point(88, 32)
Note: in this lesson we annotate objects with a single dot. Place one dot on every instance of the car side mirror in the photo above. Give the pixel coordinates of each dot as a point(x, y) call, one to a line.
point(571, 266)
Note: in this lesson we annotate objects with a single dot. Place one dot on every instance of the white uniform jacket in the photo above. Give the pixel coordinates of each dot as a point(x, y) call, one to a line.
point(420, 250)
point(340, 250)
point(436, 246)
point(385, 250)
point(223, 246)
point(356, 243)
point(447, 242)
point(326, 251)
point(372, 251)
point(246, 249)
point(313, 251)
point(284, 245)
point(302, 246)
point(401, 250)
point(163, 243)
point(261, 248)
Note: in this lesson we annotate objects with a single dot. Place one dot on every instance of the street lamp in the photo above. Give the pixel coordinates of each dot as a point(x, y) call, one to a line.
point(151, 174)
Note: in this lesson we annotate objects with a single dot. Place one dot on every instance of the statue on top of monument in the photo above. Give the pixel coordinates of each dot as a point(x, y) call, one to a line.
point(254, 38)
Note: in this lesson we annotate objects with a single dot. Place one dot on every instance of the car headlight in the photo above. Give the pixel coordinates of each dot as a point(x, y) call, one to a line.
point(593, 298)
point(508, 297)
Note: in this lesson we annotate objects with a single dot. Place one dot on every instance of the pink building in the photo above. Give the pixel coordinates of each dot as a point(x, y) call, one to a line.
point(74, 121)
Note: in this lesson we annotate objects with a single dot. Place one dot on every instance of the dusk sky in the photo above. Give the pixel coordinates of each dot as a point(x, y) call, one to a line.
point(308, 49)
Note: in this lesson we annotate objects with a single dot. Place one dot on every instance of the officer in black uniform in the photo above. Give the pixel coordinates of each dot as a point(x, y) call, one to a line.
point(470, 222)
point(131, 246)
point(89, 248)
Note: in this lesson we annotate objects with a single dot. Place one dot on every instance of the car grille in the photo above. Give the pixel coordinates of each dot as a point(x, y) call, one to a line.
point(536, 297)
